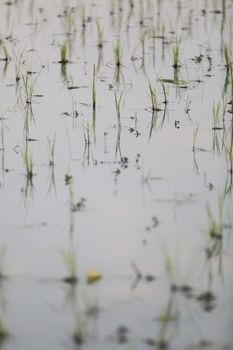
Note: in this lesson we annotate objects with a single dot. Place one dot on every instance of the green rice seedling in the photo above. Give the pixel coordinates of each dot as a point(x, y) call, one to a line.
point(217, 140)
point(28, 89)
point(94, 88)
point(6, 56)
point(154, 108)
point(28, 117)
point(165, 93)
point(69, 259)
point(117, 51)
point(176, 54)
point(100, 35)
point(229, 160)
point(28, 162)
point(18, 64)
point(227, 57)
point(216, 115)
point(51, 149)
point(63, 53)
point(153, 99)
point(231, 87)
point(142, 42)
point(87, 141)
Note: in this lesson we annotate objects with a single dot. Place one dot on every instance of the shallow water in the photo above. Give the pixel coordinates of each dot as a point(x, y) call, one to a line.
point(136, 200)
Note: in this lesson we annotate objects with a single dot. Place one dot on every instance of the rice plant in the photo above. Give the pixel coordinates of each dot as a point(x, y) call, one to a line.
point(153, 99)
point(94, 88)
point(227, 57)
point(176, 54)
point(217, 140)
point(28, 89)
point(28, 162)
point(117, 51)
point(100, 35)
point(69, 259)
point(63, 53)
point(18, 65)
point(3, 47)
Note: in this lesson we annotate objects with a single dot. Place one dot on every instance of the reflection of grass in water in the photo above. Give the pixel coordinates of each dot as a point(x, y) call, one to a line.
point(3, 328)
point(94, 101)
point(2, 261)
point(51, 150)
point(79, 334)
point(195, 165)
point(215, 226)
point(207, 300)
point(229, 160)
point(168, 321)
point(118, 106)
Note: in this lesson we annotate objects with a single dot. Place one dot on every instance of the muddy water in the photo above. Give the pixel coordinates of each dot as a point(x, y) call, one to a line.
point(134, 196)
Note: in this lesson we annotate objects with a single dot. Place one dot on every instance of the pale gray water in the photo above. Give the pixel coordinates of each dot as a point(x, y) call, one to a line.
point(153, 174)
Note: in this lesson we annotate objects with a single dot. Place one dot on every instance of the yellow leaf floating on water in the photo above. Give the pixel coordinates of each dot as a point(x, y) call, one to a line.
point(93, 276)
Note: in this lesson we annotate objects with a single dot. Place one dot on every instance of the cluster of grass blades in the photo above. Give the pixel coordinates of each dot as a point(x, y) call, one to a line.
point(28, 88)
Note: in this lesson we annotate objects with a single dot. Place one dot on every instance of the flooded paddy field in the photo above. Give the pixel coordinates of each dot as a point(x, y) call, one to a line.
point(116, 143)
